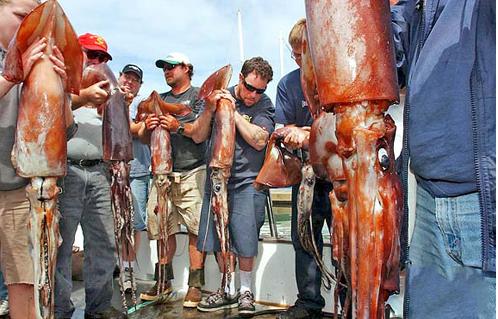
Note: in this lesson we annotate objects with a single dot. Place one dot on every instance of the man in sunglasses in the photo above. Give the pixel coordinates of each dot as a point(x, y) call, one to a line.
point(95, 52)
point(86, 200)
point(254, 124)
point(187, 179)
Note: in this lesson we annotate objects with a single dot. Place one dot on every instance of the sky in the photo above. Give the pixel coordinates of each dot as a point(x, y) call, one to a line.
point(141, 32)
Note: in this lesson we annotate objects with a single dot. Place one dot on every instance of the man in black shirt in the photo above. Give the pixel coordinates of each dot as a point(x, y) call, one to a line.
point(187, 179)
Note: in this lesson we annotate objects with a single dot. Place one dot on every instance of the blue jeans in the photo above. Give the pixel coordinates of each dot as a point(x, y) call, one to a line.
point(86, 200)
point(308, 275)
point(140, 192)
point(444, 278)
point(3, 288)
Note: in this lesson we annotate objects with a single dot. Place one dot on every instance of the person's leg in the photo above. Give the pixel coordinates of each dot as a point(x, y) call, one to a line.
point(71, 203)
point(140, 193)
point(16, 262)
point(4, 302)
point(97, 223)
point(187, 198)
point(444, 278)
point(22, 302)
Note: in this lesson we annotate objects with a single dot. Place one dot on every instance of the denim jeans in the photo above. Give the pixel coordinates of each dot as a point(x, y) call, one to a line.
point(445, 279)
point(308, 275)
point(140, 191)
point(3, 288)
point(85, 200)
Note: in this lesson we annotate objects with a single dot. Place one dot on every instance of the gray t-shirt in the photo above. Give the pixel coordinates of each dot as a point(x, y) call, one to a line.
point(9, 103)
point(141, 152)
point(247, 160)
point(186, 154)
point(87, 142)
point(8, 119)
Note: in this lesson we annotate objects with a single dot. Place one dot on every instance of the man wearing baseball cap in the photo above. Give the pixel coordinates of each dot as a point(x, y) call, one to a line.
point(129, 81)
point(95, 47)
point(187, 178)
point(86, 201)
point(96, 52)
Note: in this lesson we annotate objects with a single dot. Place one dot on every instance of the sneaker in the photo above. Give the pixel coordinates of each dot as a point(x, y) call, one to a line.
point(110, 313)
point(296, 312)
point(218, 301)
point(4, 307)
point(246, 304)
point(192, 298)
point(152, 295)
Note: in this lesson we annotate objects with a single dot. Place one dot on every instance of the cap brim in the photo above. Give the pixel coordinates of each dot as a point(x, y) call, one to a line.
point(134, 72)
point(96, 48)
point(160, 63)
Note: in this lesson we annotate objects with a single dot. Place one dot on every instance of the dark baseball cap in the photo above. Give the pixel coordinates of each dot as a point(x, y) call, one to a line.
point(134, 69)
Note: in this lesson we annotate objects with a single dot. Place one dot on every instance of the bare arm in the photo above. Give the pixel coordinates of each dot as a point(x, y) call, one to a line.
point(92, 95)
point(298, 137)
point(254, 135)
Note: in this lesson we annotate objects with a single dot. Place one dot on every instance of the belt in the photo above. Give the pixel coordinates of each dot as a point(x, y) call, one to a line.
point(85, 162)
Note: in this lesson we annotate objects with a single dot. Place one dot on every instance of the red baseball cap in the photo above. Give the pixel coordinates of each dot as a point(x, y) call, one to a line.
point(93, 42)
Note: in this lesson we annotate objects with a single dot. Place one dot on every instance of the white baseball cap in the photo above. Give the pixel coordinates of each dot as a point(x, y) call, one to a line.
point(173, 58)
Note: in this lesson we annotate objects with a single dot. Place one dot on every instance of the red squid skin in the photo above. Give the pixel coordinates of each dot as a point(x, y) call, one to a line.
point(350, 47)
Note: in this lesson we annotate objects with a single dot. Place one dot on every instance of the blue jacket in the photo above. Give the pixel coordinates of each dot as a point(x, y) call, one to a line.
point(445, 50)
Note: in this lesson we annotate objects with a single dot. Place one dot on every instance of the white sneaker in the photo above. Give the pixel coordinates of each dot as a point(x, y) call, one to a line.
point(4, 307)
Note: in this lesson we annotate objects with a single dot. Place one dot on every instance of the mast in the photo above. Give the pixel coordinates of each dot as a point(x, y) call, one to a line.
point(241, 39)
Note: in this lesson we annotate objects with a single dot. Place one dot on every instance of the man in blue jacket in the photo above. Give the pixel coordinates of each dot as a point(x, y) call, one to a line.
point(446, 59)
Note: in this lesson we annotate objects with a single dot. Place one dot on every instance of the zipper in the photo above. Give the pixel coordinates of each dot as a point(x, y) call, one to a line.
point(477, 168)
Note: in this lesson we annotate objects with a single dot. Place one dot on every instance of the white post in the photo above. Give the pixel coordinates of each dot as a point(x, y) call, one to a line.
point(241, 40)
point(281, 47)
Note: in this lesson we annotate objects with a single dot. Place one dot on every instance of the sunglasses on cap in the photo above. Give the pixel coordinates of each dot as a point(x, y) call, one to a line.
point(251, 88)
point(101, 56)
point(169, 66)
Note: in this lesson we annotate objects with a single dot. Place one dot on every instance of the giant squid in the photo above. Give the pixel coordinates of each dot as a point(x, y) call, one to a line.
point(349, 43)
point(223, 148)
point(40, 150)
point(162, 166)
point(117, 152)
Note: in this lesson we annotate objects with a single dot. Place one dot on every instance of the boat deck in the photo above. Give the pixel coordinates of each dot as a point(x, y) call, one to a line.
point(171, 308)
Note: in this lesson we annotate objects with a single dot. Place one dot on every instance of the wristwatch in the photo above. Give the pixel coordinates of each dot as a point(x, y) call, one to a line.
point(181, 129)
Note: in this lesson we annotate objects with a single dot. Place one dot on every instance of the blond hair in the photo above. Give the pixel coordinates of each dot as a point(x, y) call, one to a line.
point(296, 33)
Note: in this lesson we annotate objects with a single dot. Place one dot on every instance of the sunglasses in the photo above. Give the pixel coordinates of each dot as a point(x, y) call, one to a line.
point(169, 67)
point(102, 57)
point(251, 88)
point(295, 55)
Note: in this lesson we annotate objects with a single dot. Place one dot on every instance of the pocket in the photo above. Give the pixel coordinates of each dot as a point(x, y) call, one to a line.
point(450, 231)
point(259, 208)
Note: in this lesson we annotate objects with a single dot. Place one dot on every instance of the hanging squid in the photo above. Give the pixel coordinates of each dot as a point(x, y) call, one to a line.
point(40, 150)
point(282, 168)
point(350, 46)
point(117, 152)
point(162, 166)
point(223, 149)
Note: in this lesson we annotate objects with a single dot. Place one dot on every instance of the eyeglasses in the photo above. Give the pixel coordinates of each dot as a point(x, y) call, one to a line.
point(169, 66)
point(251, 88)
point(295, 55)
point(101, 56)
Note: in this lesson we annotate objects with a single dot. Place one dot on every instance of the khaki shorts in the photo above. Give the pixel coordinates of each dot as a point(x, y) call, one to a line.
point(15, 258)
point(185, 202)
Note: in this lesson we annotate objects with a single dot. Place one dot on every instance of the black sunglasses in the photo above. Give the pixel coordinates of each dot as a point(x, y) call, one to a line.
point(102, 57)
point(251, 88)
point(169, 66)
